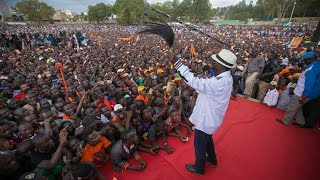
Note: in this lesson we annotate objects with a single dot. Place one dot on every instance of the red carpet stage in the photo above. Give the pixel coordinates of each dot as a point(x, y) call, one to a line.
point(250, 145)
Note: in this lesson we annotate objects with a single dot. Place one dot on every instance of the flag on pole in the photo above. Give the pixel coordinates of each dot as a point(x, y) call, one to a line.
point(125, 39)
point(192, 50)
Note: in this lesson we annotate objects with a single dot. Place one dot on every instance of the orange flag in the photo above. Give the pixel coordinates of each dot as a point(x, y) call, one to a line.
point(192, 50)
point(125, 39)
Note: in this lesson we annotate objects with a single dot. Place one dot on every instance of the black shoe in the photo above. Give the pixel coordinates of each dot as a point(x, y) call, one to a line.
point(305, 126)
point(191, 168)
point(281, 121)
point(213, 164)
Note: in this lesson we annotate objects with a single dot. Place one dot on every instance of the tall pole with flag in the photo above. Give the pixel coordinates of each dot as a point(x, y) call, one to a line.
point(192, 50)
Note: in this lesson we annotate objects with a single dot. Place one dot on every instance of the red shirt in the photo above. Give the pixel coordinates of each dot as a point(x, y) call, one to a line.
point(170, 124)
point(19, 96)
point(144, 99)
point(109, 104)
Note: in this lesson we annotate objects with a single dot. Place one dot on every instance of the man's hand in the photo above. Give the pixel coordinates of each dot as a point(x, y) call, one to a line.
point(63, 136)
point(66, 167)
point(139, 167)
point(47, 120)
point(189, 130)
point(155, 117)
point(258, 76)
point(129, 115)
point(142, 162)
point(302, 99)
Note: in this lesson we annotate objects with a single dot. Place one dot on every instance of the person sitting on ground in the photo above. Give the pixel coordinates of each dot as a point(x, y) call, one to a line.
point(122, 119)
point(145, 129)
point(173, 125)
point(83, 170)
point(97, 149)
point(160, 132)
point(271, 98)
point(45, 158)
point(125, 148)
point(285, 97)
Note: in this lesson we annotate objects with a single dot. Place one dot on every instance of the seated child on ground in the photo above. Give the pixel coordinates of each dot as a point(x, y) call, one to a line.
point(173, 125)
point(96, 150)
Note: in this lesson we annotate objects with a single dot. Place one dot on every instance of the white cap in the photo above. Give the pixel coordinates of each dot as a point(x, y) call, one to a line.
point(117, 107)
point(120, 70)
point(240, 68)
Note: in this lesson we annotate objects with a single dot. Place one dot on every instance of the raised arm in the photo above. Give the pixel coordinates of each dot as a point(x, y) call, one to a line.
point(201, 85)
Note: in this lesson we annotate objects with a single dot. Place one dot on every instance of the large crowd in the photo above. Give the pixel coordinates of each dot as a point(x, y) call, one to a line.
point(75, 97)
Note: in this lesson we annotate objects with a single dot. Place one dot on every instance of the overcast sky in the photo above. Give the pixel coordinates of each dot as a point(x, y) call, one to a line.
point(82, 5)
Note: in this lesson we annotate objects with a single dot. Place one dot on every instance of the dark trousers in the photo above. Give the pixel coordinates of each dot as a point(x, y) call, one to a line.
point(311, 112)
point(236, 85)
point(203, 144)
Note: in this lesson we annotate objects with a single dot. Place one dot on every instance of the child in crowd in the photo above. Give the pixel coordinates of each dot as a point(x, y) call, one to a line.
point(173, 126)
point(97, 149)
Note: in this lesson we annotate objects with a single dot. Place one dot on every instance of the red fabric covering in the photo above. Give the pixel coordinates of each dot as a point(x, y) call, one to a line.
point(250, 145)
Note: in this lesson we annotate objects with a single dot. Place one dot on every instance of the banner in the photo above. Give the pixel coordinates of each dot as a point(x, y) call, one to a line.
point(295, 42)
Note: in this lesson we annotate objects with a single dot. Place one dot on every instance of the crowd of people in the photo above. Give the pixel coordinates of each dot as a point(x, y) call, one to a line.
point(75, 97)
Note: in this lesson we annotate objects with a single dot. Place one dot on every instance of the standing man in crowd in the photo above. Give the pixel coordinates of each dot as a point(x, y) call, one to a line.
point(211, 105)
point(252, 72)
point(308, 87)
point(267, 75)
point(311, 90)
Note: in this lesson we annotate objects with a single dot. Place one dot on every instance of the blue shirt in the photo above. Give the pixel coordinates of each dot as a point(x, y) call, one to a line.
point(312, 83)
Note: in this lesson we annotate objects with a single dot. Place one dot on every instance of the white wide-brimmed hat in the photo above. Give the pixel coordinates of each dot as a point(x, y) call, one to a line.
point(225, 58)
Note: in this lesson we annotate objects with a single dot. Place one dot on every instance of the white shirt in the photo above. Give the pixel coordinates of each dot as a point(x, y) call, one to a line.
point(285, 61)
point(212, 101)
point(271, 97)
point(300, 85)
point(104, 119)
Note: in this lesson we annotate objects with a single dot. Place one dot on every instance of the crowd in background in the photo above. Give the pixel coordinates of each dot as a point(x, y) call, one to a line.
point(74, 97)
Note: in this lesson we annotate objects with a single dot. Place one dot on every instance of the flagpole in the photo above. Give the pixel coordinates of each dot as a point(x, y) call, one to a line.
point(186, 25)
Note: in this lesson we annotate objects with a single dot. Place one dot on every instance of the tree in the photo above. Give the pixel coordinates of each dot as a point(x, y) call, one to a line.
point(35, 10)
point(165, 7)
point(99, 12)
point(129, 11)
point(196, 10)
point(84, 17)
point(282, 8)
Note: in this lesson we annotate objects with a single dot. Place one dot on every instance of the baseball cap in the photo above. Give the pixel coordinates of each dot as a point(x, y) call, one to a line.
point(117, 107)
point(141, 88)
point(160, 71)
point(308, 55)
point(274, 83)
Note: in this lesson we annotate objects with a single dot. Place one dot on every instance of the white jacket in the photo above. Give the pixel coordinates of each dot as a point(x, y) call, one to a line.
point(212, 101)
point(271, 98)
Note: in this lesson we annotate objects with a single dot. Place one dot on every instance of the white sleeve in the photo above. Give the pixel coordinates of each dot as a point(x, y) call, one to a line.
point(203, 86)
